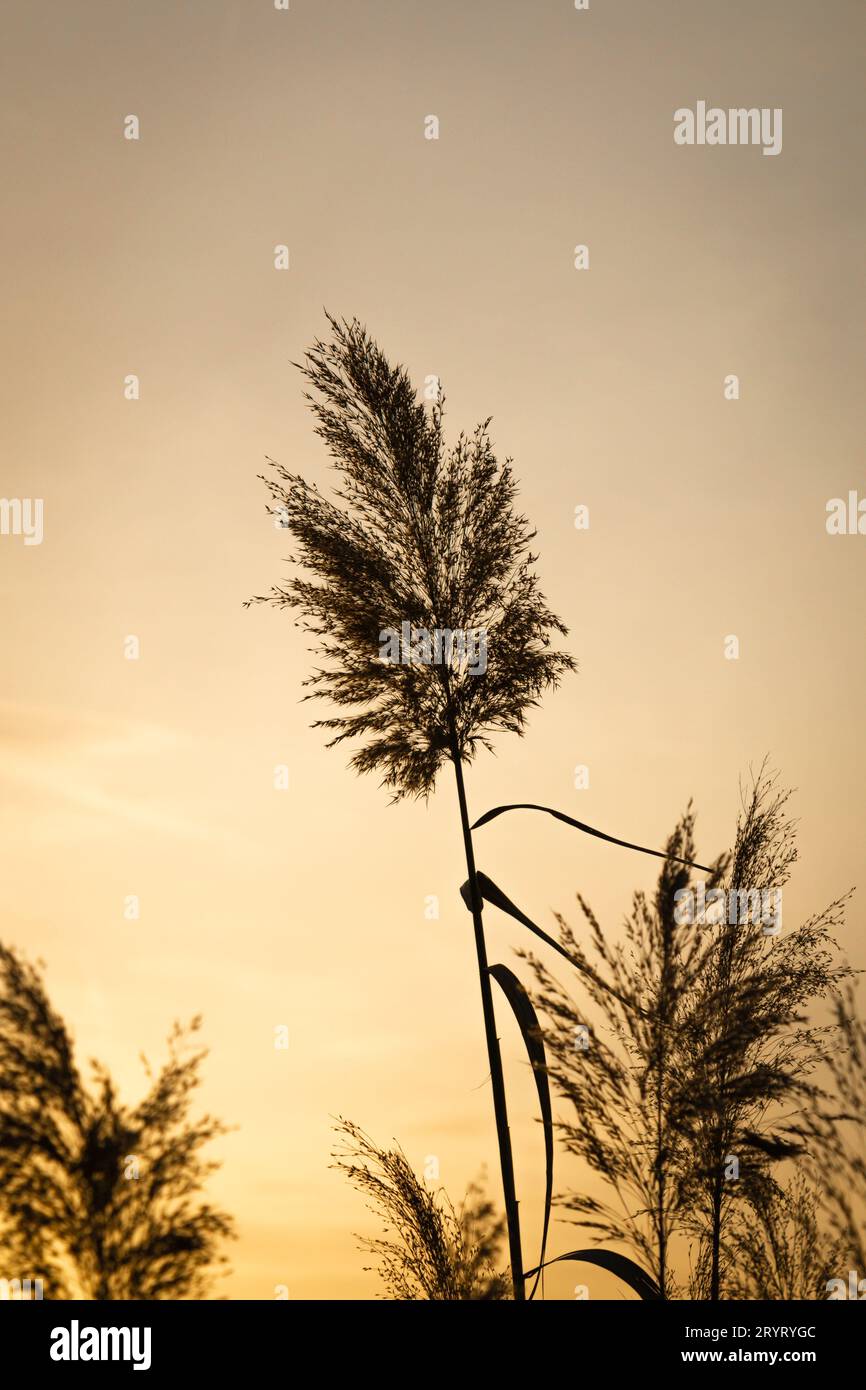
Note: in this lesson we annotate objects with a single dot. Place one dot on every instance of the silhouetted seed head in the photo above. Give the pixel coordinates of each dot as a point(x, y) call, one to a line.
point(419, 532)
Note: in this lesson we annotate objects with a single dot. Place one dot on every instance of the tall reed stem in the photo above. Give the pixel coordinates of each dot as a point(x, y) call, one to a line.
point(494, 1056)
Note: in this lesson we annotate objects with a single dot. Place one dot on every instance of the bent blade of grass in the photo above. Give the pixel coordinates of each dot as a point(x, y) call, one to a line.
point(620, 1265)
point(587, 830)
point(495, 896)
point(530, 1030)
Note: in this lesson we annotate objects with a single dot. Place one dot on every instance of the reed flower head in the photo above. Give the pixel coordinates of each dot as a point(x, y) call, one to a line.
point(419, 533)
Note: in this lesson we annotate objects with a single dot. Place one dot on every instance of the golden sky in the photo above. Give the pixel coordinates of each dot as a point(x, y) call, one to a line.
point(154, 776)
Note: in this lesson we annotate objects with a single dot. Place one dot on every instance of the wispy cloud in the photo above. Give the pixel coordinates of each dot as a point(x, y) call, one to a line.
point(74, 760)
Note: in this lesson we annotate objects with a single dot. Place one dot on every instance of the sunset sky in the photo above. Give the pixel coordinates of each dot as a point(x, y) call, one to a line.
point(155, 777)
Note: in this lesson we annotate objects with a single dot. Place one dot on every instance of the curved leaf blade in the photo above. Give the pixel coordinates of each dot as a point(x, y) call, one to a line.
point(530, 1030)
point(494, 895)
point(587, 830)
point(620, 1265)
